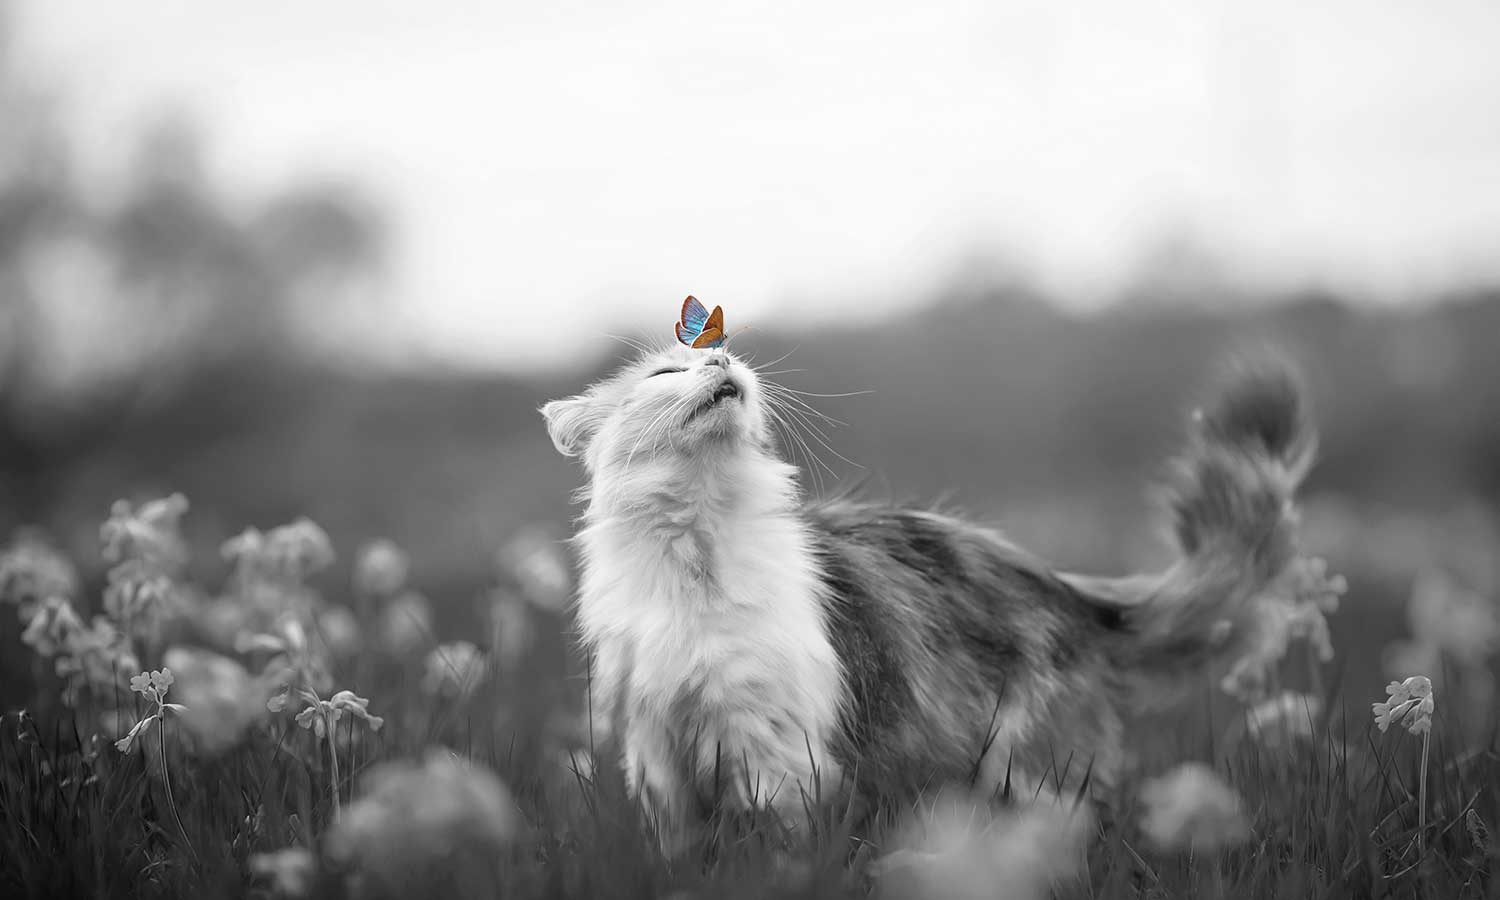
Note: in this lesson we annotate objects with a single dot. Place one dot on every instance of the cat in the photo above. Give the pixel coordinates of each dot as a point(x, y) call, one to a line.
point(750, 646)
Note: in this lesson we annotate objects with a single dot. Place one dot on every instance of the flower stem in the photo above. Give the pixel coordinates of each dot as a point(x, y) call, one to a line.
point(333, 764)
point(166, 782)
point(1422, 798)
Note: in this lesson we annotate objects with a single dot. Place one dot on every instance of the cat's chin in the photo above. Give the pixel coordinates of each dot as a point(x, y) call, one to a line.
point(713, 427)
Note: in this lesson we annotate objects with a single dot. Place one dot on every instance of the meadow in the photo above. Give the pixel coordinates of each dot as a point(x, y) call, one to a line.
point(255, 738)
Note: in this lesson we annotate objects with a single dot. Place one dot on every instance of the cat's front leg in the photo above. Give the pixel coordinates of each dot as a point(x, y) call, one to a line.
point(656, 780)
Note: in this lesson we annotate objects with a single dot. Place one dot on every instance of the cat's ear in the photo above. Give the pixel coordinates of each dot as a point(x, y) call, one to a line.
point(572, 423)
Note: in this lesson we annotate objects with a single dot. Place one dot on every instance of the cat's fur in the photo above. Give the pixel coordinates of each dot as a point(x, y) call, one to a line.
point(750, 646)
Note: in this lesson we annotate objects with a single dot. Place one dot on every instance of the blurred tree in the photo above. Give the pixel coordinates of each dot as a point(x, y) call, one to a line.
point(113, 310)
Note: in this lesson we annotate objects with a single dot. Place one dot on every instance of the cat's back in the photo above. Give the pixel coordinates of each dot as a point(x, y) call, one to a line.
point(935, 619)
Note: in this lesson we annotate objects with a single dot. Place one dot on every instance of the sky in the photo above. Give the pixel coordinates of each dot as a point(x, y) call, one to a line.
point(558, 171)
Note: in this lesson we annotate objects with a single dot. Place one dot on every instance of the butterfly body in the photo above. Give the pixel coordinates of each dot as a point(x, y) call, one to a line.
point(699, 328)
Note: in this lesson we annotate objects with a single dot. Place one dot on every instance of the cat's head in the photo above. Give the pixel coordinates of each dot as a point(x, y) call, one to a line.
point(676, 405)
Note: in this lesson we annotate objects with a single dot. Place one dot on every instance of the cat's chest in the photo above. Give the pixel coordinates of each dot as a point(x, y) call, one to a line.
point(707, 624)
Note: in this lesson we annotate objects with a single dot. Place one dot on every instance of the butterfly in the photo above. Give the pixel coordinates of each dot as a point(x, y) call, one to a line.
point(700, 328)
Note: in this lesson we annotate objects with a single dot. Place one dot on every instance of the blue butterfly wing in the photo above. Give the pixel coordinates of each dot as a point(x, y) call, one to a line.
point(694, 317)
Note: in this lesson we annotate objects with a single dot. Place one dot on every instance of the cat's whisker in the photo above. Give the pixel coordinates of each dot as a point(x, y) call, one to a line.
point(782, 392)
point(825, 396)
point(634, 344)
point(795, 443)
point(817, 434)
point(645, 432)
point(778, 360)
point(791, 417)
point(665, 431)
point(781, 430)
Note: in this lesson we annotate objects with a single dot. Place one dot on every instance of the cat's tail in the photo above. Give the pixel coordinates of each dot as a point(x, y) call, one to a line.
point(1231, 495)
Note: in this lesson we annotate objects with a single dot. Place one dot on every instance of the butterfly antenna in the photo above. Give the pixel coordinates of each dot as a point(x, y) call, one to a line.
point(736, 333)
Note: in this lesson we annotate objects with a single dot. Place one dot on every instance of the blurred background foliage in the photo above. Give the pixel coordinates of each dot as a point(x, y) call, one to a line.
point(168, 336)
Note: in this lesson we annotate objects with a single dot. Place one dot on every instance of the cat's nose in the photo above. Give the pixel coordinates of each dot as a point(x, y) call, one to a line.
point(717, 359)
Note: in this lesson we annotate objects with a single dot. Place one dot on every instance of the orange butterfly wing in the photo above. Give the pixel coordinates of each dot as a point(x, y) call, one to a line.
point(708, 338)
point(713, 329)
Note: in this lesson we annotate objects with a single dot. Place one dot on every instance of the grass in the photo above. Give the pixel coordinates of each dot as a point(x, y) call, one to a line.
point(1334, 816)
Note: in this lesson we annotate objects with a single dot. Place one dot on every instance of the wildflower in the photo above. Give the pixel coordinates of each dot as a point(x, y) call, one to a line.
point(290, 870)
point(1447, 617)
point(223, 701)
point(1191, 807)
point(454, 670)
point(1283, 719)
point(338, 629)
point(245, 548)
point(536, 561)
point(153, 686)
point(289, 658)
point(221, 621)
point(965, 851)
point(93, 658)
point(425, 829)
point(301, 548)
point(136, 589)
point(320, 716)
point(52, 627)
point(32, 572)
point(1454, 630)
point(1294, 607)
point(406, 625)
point(288, 552)
point(380, 570)
point(1409, 703)
point(151, 533)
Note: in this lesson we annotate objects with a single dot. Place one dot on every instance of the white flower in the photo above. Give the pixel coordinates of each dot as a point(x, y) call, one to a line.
point(964, 850)
point(454, 670)
point(1191, 807)
point(92, 660)
point(1294, 607)
point(1283, 719)
point(380, 570)
point(406, 625)
point(320, 716)
point(293, 551)
point(537, 562)
point(31, 571)
point(414, 823)
point(1454, 630)
point(290, 870)
point(339, 630)
point(289, 657)
point(151, 534)
point(223, 702)
point(53, 627)
point(153, 686)
point(1409, 703)
point(1458, 621)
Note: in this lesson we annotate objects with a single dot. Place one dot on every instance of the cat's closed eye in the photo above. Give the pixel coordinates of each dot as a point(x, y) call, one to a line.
point(667, 371)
